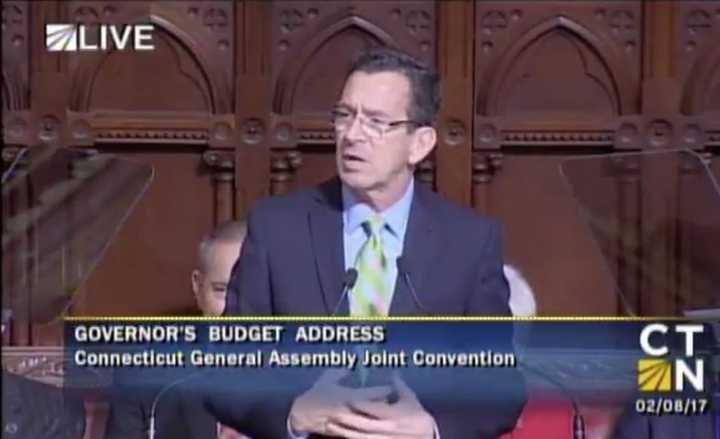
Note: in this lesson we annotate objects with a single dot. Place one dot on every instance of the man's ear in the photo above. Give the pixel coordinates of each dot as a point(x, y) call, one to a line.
point(425, 139)
point(196, 279)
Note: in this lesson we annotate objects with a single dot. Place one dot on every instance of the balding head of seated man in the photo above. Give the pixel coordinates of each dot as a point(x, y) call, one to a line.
point(217, 252)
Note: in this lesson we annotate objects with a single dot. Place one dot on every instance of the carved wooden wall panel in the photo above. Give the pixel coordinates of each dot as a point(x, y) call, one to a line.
point(544, 235)
point(233, 106)
point(696, 56)
point(306, 35)
point(138, 90)
point(555, 74)
point(177, 93)
point(188, 41)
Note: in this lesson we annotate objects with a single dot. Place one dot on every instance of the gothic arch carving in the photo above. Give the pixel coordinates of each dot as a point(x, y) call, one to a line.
point(623, 92)
point(285, 87)
point(704, 74)
point(220, 91)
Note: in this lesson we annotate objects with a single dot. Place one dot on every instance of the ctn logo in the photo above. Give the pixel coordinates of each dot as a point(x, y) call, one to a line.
point(656, 374)
point(75, 37)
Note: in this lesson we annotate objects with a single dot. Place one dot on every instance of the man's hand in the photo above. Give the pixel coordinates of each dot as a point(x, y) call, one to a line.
point(373, 419)
point(316, 409)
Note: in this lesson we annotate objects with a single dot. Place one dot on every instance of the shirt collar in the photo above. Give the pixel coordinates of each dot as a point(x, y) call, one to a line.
point(396, 216)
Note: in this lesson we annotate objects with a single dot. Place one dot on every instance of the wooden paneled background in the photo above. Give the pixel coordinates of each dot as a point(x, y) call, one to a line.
point(233, 103)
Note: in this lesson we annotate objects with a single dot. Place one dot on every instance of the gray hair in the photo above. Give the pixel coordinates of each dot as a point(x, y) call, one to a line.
point(230, 232)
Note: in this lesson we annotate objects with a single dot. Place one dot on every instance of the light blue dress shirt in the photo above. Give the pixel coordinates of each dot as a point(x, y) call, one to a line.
point(355, 213)
point(396, 217)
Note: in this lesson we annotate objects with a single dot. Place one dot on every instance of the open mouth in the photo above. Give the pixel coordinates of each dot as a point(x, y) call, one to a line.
point(352, 158)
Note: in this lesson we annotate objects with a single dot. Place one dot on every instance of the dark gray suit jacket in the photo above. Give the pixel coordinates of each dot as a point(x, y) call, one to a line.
point(292, 263)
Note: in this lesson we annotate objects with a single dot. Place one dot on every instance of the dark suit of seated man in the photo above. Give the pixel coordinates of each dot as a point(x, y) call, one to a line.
point(299, 247)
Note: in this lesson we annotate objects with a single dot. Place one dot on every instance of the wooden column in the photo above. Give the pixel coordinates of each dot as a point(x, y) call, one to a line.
point(484, 166)
point(252, 103)
point(222, 166)
point(283, 167)
point(455, 127)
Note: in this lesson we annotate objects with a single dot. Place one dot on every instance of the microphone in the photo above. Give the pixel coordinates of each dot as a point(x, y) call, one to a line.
point(153, 408)
point(578, 422)
point(405, 274)
point(349, 280)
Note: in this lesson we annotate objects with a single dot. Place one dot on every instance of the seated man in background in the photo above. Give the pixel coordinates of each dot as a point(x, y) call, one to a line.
point(217, 253)
point(176, 416)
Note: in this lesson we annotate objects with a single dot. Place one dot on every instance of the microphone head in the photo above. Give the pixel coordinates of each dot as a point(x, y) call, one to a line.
point(402, 269)
point(351, 276)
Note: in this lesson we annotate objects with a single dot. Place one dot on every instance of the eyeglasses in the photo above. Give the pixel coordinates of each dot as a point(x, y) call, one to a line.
point(373, 127)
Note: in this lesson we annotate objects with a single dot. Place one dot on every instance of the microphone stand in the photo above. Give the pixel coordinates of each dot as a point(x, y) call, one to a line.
point(153, 408)
point(405, 274)
point(578, 422)
point(349, 280)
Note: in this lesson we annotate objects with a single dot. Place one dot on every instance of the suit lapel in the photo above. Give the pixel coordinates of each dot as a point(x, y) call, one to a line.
point(421, 245)
point(325, 221)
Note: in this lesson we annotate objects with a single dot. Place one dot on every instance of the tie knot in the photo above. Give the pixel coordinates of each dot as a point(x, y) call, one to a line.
point(374, 225)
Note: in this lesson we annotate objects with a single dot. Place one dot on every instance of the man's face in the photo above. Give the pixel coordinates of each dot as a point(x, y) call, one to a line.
point(365, 162)
point(210, 287)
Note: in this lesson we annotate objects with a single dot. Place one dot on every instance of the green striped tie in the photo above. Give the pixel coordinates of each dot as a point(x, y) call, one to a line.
point(370, 296)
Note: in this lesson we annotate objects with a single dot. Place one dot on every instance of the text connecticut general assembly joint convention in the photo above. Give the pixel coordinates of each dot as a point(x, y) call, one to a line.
point(332, 358)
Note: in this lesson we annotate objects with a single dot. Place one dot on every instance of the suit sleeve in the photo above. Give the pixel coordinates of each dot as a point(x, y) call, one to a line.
point(249, 290)
point(493, 397)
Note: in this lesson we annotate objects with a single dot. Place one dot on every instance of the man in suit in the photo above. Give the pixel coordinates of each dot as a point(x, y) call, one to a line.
point(299, 246)
point(179, 414)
